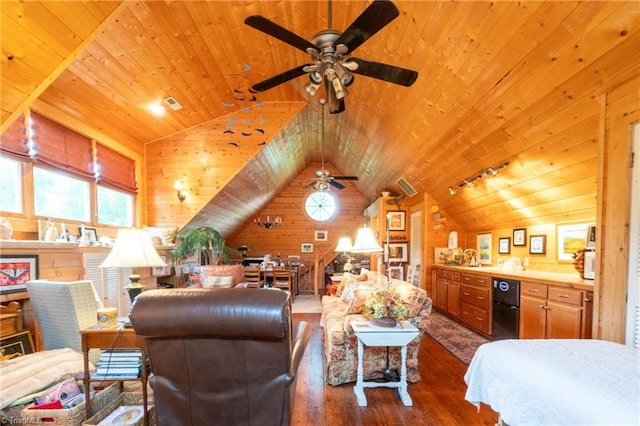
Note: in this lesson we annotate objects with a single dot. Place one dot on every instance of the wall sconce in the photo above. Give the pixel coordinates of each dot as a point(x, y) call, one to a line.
point(468, 182)
point(178, 187)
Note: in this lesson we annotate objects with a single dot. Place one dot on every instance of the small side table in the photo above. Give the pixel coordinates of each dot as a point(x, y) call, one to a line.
point(400, 335)
point(114, 338)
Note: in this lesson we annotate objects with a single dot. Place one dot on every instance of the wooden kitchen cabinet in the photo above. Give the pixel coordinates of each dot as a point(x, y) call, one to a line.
point(475, 302)
point(548, 312)
point(448, 292)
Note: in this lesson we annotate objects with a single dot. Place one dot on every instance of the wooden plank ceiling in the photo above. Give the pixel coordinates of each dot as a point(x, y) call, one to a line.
point(515, 82)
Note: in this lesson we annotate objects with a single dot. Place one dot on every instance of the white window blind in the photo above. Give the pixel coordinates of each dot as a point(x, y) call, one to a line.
point(110, 283)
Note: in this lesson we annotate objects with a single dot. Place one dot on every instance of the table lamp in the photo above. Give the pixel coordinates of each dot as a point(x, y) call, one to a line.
point(133, 249)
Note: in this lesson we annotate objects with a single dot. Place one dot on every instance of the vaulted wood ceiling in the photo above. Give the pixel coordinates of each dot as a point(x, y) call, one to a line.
point(516, 82)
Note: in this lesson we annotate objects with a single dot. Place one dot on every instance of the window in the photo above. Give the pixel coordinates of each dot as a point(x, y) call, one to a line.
point(10, 186)
point(114, 207)
point(321, 206)
point(60, 196)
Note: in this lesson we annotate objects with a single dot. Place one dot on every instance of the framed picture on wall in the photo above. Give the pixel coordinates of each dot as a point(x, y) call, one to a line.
point(520, 237)
point(396, 252)
point(20, 343)
point(504, 245)
point(321, 236)
point(484, 248)
point(306, 247)
point(16, 270)
point(538, 244)
point(571, 238)
point(397, 220)
point(396, 272)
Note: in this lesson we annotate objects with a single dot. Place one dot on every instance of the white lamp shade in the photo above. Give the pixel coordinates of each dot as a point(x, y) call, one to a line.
point(366, 242)
point(344, 244)
point(133, 248)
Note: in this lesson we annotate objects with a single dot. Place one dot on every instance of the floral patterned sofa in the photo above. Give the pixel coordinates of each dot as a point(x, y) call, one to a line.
point(340, 342)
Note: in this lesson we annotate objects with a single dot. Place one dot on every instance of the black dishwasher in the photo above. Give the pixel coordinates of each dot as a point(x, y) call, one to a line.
point(506, 309)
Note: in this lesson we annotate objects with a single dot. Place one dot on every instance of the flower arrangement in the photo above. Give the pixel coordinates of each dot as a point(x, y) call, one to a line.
point(382, 304)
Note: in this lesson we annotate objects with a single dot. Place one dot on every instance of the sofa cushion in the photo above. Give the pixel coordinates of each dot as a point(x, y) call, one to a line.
point(350, 288)
point(360, 296)
point(411, 296)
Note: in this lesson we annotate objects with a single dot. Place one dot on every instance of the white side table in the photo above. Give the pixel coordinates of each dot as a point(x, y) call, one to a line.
point(400, 335)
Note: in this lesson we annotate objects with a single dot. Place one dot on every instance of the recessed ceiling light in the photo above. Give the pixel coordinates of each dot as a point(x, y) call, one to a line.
point(157, 109)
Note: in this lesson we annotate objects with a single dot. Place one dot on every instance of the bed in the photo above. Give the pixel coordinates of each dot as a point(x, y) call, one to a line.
point(557, 382)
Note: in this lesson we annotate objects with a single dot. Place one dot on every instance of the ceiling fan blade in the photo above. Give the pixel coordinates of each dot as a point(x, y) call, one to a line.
point(371, 20)
point(279, 79)
point(390, 73)
point(344, 177)
point(263, 24)
point(336, 184)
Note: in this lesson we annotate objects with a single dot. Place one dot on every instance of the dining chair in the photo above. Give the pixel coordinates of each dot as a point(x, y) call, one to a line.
point(282, 278)
point(252, 276)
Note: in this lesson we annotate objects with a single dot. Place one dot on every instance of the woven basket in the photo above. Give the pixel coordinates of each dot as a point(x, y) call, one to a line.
point(125, 398)
point(72, 416)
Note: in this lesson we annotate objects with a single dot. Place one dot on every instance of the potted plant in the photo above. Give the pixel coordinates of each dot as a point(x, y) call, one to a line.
point(205, 245)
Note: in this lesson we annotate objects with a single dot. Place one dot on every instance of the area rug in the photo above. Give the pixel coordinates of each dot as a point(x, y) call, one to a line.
point(307, 304)
point(457, 339)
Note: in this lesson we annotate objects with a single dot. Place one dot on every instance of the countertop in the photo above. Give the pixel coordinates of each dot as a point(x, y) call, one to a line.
point(552, 278)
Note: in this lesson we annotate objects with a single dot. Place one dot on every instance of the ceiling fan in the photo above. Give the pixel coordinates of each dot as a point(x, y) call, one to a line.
point(330, 51)
point(323, 178)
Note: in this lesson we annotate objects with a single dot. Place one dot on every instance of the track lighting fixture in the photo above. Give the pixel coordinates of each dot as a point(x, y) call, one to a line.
point(468, 182)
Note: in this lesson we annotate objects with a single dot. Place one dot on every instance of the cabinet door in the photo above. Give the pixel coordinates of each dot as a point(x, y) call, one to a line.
point(563, 321)
point(453, 299)
point(533, 315)
point(441, 294)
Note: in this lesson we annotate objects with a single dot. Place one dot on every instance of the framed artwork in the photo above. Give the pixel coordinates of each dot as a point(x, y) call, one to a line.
point(91, 234)
point(396, 252)
point(520, 237)
point(538, 244)
point(504, 245)
point(321, 235)
point(19, 343)
point(396, 220)
point(484, 248)
point(16, 270)
point(396, 272)
point(306, 247)
point(571, 238)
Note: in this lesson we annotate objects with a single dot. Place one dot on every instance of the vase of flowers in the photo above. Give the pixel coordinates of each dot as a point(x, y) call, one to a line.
point(384, 309)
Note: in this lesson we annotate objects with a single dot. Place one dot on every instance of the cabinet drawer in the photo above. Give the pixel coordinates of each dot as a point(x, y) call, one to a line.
point(570, 296)
point(476, 318)
point(449, 275)
point(533, 289)
point(478, 280)
point(478, 297)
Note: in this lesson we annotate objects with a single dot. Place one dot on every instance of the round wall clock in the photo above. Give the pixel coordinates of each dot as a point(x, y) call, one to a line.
point(321, 206)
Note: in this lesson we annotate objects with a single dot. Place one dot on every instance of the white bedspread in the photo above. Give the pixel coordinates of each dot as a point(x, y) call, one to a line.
point(557, 382)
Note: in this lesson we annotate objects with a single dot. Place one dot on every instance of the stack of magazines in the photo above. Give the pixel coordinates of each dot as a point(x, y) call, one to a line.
point(118, 365)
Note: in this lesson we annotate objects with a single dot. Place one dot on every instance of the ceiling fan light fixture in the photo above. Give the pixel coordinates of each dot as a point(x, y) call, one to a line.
point(311, 88)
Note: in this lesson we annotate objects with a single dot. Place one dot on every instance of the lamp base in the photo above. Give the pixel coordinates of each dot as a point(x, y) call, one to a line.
point(135, 288)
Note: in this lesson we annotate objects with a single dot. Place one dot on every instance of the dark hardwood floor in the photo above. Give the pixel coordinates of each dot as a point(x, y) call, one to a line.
point(438, 399)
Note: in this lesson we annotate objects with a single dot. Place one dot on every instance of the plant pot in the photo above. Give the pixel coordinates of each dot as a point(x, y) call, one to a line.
point(384, 322)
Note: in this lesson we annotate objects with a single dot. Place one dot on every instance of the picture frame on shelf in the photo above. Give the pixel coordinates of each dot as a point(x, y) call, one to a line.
point(397, 220)
point(484, 248)
point(161, 271)
point(16, 270)
point(396, 252)
point(19, 343)
point(571, 239)
point(538, 244)
point(504, 245)
point(520, 237)
point(91, 234)
point(321, 236)
point(306, 247)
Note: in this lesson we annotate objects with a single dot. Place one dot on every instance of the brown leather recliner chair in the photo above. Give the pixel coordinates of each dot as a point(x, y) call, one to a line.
point(221, 356)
